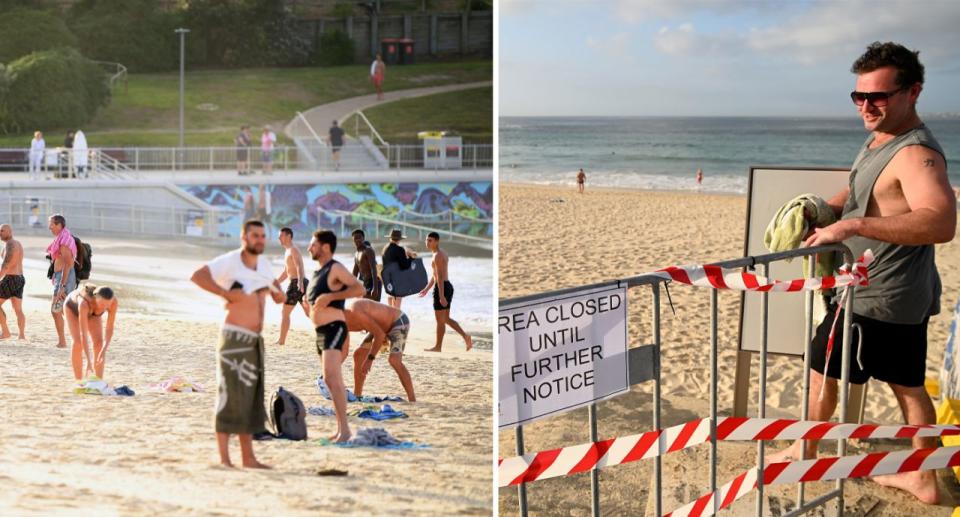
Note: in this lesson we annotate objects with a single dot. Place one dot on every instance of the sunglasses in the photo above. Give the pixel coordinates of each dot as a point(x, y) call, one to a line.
point(876, 99)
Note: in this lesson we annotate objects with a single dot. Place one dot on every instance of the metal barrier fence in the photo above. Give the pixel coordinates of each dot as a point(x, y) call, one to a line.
point(645, 366)
point(446, 224)
point(354, 157)
point(27, 213)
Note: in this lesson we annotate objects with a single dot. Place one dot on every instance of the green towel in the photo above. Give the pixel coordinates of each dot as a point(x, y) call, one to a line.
point(787, 228)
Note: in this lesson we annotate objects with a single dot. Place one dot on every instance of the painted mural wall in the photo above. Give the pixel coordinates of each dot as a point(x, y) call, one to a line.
point(304, 208)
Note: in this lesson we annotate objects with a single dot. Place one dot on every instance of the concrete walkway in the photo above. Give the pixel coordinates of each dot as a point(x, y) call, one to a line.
point(320, 117)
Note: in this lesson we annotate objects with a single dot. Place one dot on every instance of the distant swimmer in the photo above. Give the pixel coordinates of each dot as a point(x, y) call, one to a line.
point(329, 287)
point(242, 277)
point(365, 266)
point(699, 177)
point(83, 310)
point(11, 280)
point(442, 294)
point(383, 324)
point(297, 288)
point(62, 252)
point(581, 179)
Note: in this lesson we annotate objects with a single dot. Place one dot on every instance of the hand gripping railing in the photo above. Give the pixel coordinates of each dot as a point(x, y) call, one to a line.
point(651, 370)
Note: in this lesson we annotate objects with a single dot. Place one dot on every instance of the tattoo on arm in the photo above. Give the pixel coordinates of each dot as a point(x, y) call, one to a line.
point(929, 162)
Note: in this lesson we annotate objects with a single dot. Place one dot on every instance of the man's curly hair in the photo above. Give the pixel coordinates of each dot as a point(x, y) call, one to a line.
point(879, 55)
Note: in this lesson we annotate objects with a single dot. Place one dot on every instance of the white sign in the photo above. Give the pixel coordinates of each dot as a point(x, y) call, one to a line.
point(562, 351)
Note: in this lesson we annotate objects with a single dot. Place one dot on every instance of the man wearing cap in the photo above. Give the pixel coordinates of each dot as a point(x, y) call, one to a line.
point(394, 252)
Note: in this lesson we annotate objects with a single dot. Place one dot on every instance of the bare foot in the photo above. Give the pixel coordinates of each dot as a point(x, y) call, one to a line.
point(61, 345)
point(791, 453)
point(278, 343)
point(469, 341)
point(334, 437)
point(923, 485)
point(343, 437)
point(254, 464)
point(226, 464)
point(434, 349)
point(22, 337)
point(6, 336)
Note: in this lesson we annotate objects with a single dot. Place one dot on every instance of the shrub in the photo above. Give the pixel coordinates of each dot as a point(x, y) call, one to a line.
point(336, 48)
point(135, 33)
point(27, 30)
point(54, 89)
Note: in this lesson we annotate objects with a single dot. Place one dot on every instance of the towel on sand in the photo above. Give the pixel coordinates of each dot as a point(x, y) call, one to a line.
point(366, 399)
point(375, 437)
point(321, 411)
point(176, 384)
point(386, 413)
point(95, 386)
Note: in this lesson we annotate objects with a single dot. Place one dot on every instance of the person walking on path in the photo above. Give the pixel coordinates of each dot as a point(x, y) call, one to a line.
point(11, 281)
point(378, 72)
point(899, 204)
point(335, 139)
point(442, 294)
point(242, 278)
point(37, 149)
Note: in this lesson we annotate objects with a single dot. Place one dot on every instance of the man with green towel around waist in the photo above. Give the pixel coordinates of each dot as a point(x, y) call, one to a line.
point(242, 277)
point(899, 204)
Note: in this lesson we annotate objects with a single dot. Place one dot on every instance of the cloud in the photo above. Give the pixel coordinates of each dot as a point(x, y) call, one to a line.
point(685, 40)
point(616, 44)
point(635, 11)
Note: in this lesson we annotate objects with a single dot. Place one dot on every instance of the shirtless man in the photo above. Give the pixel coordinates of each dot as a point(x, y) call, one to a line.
point(581, 179)
point(241, 277)
point(382, 323)
point(62, 251)
point(329, 287)
point(293, 269)
point(442, 294)
point(899, 204)
point(365, 266)
point(11, 280)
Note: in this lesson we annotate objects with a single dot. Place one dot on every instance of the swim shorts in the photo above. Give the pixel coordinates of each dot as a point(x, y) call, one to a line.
point(266, 156)
point(331, 336)
point(398, 334)
point(891, 352)
point(447, 293)
point(12, 287)
point(239, 408)
point(294, 294)
point(372, 289)
point(57, 305)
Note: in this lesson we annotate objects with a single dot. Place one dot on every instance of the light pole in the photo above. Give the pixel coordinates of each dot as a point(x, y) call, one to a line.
point(182, 32)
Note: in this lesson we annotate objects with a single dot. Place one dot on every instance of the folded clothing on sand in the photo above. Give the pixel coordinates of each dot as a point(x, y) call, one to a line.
point(176, 384)
point(321, 411)
point(95, 386)
point(377, 437)
point(386, 413)
point(367, 399)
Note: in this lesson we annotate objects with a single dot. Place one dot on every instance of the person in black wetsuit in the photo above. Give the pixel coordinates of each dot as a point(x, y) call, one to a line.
point(328, 288)
point(394, 252)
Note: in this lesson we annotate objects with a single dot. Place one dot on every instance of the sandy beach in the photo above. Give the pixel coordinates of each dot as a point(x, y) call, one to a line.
point(551, 238)
point(63, 453)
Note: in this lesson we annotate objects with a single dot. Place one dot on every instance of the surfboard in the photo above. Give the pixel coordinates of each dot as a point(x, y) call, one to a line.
point(404, 282)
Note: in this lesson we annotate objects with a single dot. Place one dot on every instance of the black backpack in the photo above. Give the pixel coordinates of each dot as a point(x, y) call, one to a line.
point(288, 416)
point(82, 265)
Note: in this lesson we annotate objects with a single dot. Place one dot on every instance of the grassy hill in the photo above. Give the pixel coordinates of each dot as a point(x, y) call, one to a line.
point(469, 113)
point(218, 102)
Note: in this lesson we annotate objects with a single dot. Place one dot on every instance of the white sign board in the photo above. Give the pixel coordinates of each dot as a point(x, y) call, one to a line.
point(771, 188)
point(561, 351)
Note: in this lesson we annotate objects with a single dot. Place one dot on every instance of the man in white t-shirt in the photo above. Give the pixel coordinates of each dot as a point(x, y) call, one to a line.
point(242, 277)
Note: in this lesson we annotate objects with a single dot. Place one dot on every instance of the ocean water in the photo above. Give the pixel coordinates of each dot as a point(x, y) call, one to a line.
point(663, 153)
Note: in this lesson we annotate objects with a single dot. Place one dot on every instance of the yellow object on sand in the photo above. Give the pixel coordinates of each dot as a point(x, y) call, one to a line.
point(949, 414)
point(932, 386)
point(787, 229)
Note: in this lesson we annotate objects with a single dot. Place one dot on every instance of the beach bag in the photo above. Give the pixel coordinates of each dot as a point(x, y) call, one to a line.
point(288, 417)
point(82, 265)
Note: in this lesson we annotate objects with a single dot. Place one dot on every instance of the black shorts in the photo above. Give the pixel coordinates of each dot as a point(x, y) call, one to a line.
point(331, 336)
point(294, 294)
point(372, 289)
point(336, 148)
point(892, 352)
point(447, 293)
point(12, 287)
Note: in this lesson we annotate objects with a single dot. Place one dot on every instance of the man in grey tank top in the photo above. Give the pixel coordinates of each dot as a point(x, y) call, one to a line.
point(899, 204)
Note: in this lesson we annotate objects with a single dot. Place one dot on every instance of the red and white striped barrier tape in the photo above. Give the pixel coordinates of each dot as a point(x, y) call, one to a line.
point(718, 278)
point(615, 451)
point(822, 469)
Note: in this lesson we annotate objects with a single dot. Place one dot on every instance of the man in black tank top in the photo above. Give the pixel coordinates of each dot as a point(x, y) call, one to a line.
point(899, 204)
point(329, 287)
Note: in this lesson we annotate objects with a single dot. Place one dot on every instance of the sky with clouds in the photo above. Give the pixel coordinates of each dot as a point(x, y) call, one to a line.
point(713, 57)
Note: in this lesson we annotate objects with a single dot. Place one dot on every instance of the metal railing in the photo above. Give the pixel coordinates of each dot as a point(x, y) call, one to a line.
point(118, 73)
point(451, 227)
point(652, 372)
point(27, 213)
point(354, 157)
